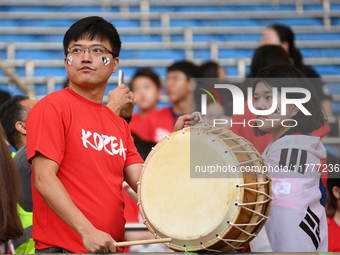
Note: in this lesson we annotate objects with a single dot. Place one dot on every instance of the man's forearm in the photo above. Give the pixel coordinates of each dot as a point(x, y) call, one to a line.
point(55, 195)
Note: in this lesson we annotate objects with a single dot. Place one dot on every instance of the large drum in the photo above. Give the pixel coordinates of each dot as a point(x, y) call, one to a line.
point(201, 208)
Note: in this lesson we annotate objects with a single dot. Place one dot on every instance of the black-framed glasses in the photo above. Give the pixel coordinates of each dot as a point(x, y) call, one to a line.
point(94, 50)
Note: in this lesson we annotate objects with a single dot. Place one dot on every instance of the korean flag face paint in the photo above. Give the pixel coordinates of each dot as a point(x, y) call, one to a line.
point(106, 60)
point(277, 111)
point(69, 60)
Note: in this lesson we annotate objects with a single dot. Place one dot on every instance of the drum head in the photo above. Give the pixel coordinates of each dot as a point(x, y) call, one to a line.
point(192, 211)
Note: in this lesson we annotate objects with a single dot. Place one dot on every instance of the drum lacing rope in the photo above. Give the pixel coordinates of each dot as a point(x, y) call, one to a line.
point(216, 129)
point(239, 145)
point(255, 152)
point(248, 161)
point(216, 135)
point(227, 241)
point(200, 126)
point(260, 214)
point(255, 203)
point(254, 190)
point(237, 226)
point(209, 249)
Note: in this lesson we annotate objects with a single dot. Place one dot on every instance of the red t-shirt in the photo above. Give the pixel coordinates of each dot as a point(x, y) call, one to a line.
point(158, 124)
point(136, 124)
point(92, 145)
point(333, 236)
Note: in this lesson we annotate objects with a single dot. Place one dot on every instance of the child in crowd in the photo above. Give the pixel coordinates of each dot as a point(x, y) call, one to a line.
point(263, 57)
point(146, 87)
point(160, 123)
point(214, 110)
point(297, 221)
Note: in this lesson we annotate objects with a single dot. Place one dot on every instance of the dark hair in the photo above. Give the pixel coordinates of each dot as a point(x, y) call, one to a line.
point(293, 78)
point(11, 112)
point(287, 35)
point(332, 204)
point(190, 69)
point(10, 188)
point(146, 72)
point(266, 56)
point(208, 70)
point(90, 28)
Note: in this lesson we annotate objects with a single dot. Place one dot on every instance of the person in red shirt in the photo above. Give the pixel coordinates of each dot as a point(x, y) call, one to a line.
point(81, 151)
point(333, 211)
point(146, 88)
point(180, 91)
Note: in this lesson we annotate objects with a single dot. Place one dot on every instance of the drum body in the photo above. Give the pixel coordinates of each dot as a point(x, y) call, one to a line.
point(180, 194)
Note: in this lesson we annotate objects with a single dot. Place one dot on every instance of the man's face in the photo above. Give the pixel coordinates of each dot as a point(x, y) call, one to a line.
point(177, 86)
point(87, 69)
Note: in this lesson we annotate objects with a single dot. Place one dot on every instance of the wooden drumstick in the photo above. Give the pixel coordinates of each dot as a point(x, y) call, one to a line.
point(139, 242)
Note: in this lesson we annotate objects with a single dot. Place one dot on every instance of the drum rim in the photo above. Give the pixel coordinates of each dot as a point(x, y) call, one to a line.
point(226, 229)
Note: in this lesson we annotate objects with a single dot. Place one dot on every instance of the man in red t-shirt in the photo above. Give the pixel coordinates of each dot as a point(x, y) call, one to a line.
point(81, 151)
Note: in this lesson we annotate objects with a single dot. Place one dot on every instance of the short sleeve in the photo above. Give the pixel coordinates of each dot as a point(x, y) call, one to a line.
point(45, 131)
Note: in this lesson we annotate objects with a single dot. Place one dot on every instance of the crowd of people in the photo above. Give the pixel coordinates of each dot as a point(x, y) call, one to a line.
point(73, 153)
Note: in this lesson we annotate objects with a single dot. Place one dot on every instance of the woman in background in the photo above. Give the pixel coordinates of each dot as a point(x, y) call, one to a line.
point(284, 37)
point(10, 188)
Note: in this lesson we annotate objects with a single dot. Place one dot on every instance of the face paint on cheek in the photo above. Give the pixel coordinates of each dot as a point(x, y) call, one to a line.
point(277, 111)
point(106, 60)
point(69, 60)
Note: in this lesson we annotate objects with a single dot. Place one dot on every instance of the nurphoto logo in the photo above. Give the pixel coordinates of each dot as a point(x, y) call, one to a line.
point(238, 103)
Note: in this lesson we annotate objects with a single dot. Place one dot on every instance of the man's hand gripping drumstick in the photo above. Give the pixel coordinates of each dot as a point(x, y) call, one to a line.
point(121, 100)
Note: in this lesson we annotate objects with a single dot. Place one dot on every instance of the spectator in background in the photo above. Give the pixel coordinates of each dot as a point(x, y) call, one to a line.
point(10, 187)
point(295, 188)
point(211, 69)
point(284, 37)
point(214, 110)
point(263, 57)
point(266, 56)
point(146, 87)
point(160, 123)
point(13, 114)
point(333, 211)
